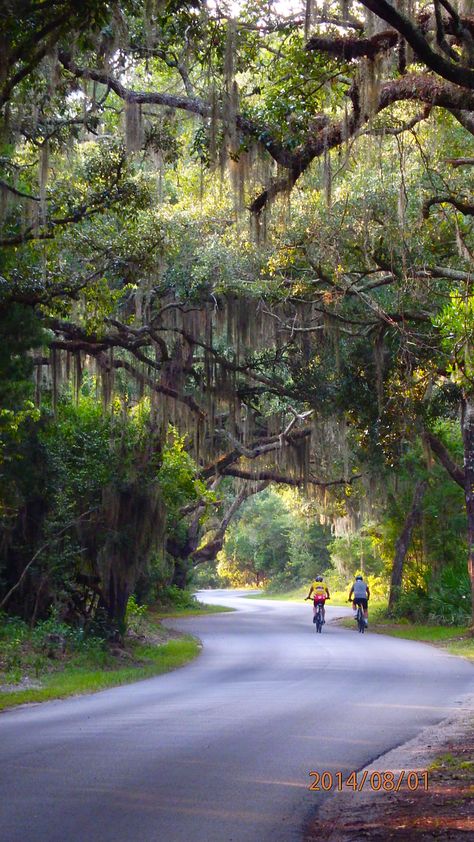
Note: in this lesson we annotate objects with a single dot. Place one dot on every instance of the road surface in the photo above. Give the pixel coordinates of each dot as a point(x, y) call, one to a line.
point(221, 749)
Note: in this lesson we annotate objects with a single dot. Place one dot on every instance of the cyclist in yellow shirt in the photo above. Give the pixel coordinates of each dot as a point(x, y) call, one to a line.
point(320, 593)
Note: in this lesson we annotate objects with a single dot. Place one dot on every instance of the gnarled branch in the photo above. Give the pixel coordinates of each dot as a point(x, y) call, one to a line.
point(284, 479)
point(466, 208)
point(351, 48)
point(438, 448)
point(448, 70)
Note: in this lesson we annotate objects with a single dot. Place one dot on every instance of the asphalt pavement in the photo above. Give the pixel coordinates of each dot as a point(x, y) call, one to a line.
point(221, 749)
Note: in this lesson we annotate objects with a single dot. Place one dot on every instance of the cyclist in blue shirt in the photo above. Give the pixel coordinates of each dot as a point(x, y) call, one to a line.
point(359, 595)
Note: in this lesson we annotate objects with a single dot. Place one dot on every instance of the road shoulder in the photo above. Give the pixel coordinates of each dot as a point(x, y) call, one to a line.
point(439, 803)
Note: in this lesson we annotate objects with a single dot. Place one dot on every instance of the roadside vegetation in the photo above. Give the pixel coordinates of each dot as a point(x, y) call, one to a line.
point(54, 660)
point(457, 640)
point(175, 602)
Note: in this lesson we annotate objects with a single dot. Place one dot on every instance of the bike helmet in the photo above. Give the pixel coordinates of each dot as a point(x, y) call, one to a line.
point(358, 577)
point(319, 578)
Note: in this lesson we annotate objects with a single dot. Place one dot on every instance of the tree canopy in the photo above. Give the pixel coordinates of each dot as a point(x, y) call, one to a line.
point(236, 251)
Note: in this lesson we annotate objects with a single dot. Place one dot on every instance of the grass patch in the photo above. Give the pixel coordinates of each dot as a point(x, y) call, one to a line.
point(452, 762)
point(54, 660)
point(160, 612)
point(453, 639)
point(148, 660)
point(427, 634)
point(464, 647)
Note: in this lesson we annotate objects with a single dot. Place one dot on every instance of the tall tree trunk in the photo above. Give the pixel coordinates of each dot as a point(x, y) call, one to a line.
point(132, 516)
point(180, 573)
point(467, 424)
point(118, 590)
point(403, 542)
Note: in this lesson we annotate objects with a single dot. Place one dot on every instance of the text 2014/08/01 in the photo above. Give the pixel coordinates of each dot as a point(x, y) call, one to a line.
point(386, 780)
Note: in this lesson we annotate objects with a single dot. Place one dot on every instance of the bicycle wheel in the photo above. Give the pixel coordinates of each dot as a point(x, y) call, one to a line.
point(319, 620)
point(361, 621)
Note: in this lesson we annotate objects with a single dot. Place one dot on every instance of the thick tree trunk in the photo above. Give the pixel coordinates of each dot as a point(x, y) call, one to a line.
point(467, 424)
point(132, 517)
point(180, 573)
point(403, 542)
point(118, 591)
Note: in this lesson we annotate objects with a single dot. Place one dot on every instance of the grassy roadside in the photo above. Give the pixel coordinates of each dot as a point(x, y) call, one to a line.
point(453, 639)
point(142, 661)
point(53, 662)
point(160, 613)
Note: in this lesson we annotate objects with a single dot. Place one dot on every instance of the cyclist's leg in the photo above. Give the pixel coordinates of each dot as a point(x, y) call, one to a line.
point(366, 611)
point(320, 620)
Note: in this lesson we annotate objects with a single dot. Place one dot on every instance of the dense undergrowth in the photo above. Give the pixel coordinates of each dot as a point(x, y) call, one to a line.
point(54, 659)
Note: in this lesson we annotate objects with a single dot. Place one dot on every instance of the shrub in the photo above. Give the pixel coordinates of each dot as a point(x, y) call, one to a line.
point(172, 595)
point(378, 587)
point(413, 605)
point(13, 628)
point(450, 596)
point(135, 615)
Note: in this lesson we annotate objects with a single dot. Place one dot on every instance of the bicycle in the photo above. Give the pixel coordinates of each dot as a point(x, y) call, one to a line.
point(318, 618)
point(360, 619)
point(359, 616)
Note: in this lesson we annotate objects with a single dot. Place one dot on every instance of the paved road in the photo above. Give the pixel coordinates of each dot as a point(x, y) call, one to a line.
point(221, 749)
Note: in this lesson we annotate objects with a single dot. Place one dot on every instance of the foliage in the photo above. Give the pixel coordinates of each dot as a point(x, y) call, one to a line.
point(449, 596)
point(275, 541)
point(24, 651)
point(177, 598)
point(351, 554)
point(135, 615)
point(73, 458)
point(179, 481)
point(129, 269)
point(444, 598)
point(456, 325)
point(88, 673)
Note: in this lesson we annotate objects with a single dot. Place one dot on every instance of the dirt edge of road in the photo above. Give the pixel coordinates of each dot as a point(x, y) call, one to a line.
point(438, 804)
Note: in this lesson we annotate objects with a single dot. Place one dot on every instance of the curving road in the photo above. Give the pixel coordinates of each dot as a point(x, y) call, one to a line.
point(221, 749)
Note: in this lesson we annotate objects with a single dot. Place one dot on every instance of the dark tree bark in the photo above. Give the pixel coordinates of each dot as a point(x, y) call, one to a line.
point(132, 516)
point(180, 573)
point(404, 540)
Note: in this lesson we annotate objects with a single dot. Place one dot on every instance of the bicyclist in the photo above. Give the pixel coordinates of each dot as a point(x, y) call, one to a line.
point(359, 595)
point(320, 593)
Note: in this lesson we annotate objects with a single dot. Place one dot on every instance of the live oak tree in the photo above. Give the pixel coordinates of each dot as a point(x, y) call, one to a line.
point(310, 350)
